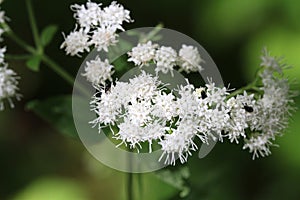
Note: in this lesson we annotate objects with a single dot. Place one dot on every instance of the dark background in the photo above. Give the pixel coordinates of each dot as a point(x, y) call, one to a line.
point(37, 162)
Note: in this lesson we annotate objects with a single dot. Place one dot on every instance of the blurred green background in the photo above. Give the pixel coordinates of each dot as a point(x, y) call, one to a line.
point(39, 163)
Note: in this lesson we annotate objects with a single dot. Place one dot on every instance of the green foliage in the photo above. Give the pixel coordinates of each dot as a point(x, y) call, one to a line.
point(155, 188)
point(57, 111)
point(176, 179)
point(224, 21)
point(281, 42)
point(34, 62)
point(52, 188)
point(48, 34)
point(289, 144)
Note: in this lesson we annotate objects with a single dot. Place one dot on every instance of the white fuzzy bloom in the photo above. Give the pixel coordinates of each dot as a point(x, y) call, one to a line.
point(259, 145)
point(134, 134)
point(237, 123)
point(164, 106)
point(76, 42)
point(114, 15)
point(2, 17)
point(186, 104)
point(8, 78)
point(8, 86)
point(144, 110)
point(270, 62)
point(134, 97)
point(216, 96)
point(275, 107)
point(144, 87)
point(2, 52)
point(142, 54)
point(108, 105)
point(88, 15)
point(165, 59)
point(98, 71)
point(139, 112)
point(190, 59)
point(272, 110)
point(102, 38)
point(97, 27)
point(179, 143)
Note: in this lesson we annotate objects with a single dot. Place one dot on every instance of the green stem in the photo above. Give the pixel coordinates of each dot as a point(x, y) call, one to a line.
point(140, 185)
point(56, 68)
point(48, 61)
point(250, 86)
point(65, 75)
point(18, 40)
point(152, 33)
point(130, 194)
point(33, 26)
point(130, 186)
point(17, 57)
point(239, 91)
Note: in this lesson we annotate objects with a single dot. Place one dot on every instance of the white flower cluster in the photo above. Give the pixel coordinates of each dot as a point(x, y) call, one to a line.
point(8, 78)
point(166, 58)
point(272, 108)
point(97, 71)
point(144, 110)
point(96, 27)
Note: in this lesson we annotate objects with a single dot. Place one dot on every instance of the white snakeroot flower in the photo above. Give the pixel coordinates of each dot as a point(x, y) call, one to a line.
point(186, 104)
point(237, 122)
point(108, 105)
point(2, 16)
point(2, 52)
point(142, 54)
point(139, 90)
point(98, 71)
point(217, 120)
point(76, 42)
point(134, 134)
point(190, 59)
point(144, 87)
point(87, 16)
point(164, 106)
point(144, 110)
point(216, 96)
point(179, 143)
point(97, 27)
point(114, 15)
point(165, 59)
point(275, 103)
point(8, 86)
point(139, 112)
point(275, 107)
point(258, 144)
point(270, 62)
point(102, 38)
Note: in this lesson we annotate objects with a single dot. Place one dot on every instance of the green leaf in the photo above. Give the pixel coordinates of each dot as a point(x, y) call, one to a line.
point(34, 62)
point(48, 34)
point(177, 179)
point(57, 111)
